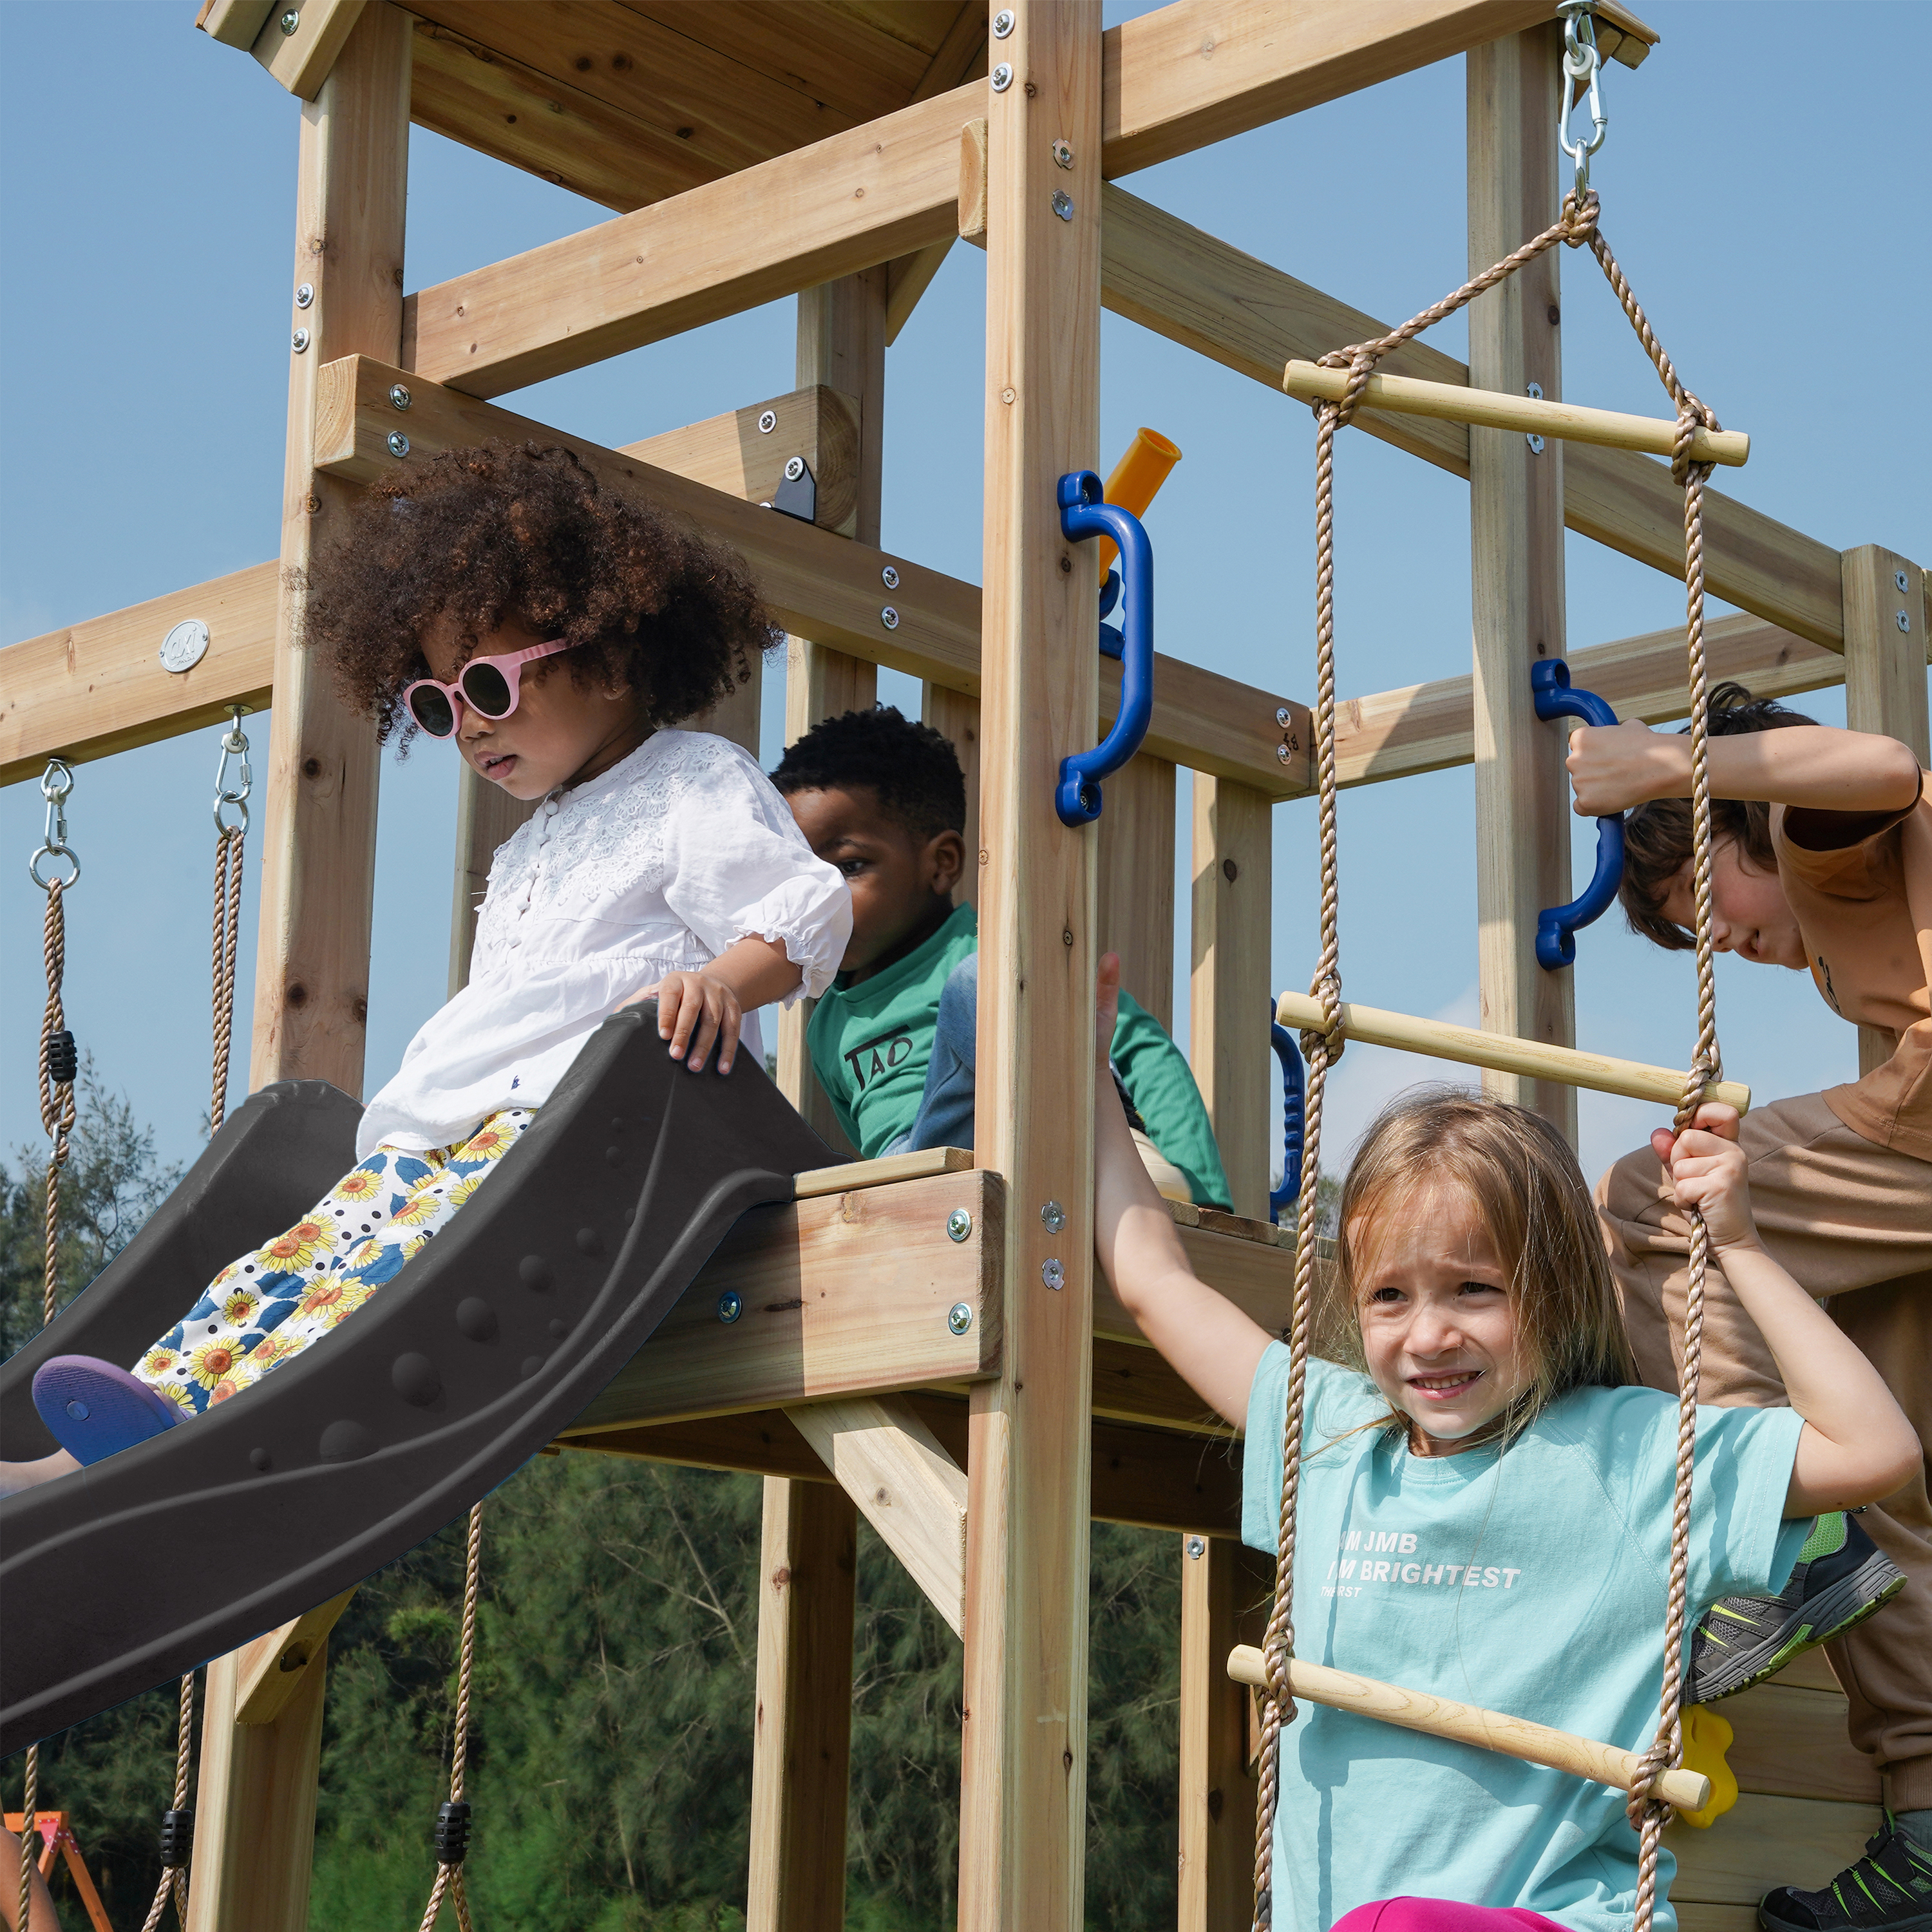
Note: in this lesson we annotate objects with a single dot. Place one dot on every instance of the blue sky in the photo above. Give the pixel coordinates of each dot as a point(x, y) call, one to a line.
point(1761, 185)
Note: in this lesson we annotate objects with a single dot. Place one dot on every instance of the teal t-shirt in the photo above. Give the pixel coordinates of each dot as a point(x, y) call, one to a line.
point(1532, 1582)
point(870, 1044)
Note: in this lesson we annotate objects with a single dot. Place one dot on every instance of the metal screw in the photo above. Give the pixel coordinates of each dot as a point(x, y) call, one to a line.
point(1063, 204)
point(1063, 153)
point(1535, 444)
point(889, 618)
point(794, 469)
point(1535, 390)
point(1004, 23)
point(1283, 716)
point(1197, 1547)
point(299, 340)
point(1053, 1217)
point(959, 1317)
point(1003, 78)
point(1282, 754)
point(305, 294)
point(959, 1224)
point(291, 20)
point(890, 577)
point(399, 444)
point(399, 396)
point(1899, 578)
point(729, 1307)
point(768, 421)
point(1053, 1275)
point(1905, 623)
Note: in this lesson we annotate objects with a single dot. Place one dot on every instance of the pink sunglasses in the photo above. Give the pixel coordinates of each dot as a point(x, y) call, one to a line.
point(491, 685)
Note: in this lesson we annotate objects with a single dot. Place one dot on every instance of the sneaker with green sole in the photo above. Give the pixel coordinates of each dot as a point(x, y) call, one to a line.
point(1841, 1576)
point(1888, 1890)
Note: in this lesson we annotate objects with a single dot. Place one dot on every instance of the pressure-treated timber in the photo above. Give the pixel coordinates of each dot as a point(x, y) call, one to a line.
point(1792, 1743)
point(301, 60)
point(1023, 1760)
point(1470, 1724)
point(1506, 1054)
point(235, 23)
point(1762, 1840)
point(1186, 285)
point(1526, 415)
point(1516, 562)
point(905, 1484)
point(956, 717)
point(1134, 867)
point(917, 1164)
point(270, 1670)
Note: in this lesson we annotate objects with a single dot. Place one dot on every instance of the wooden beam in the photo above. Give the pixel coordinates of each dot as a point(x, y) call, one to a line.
point(842, 1295)
point(1516, 545)
point(301, 59)
point(917, 1165)
point(1134, 866)
point(1760, 1836)
point(1183, 284)
point(1792, 1743)
point(956, 717)
point(905, 1485)
point(235, 23)
point(270, 1668)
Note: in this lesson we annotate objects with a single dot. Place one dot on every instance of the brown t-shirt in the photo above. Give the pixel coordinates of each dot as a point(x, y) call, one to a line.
point(1861, 884)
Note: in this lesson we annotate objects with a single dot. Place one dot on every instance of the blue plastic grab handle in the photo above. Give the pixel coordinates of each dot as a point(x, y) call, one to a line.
point(1293, 1116)
point(1556, 928)
point(1082, 514)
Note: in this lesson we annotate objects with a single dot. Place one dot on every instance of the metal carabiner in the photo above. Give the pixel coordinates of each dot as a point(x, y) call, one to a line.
point(56, 781)
point(234, 744)
point(1582, 65)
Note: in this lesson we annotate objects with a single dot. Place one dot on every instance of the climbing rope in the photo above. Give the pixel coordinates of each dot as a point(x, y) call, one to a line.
point(452, 1819)
point(1575, 227)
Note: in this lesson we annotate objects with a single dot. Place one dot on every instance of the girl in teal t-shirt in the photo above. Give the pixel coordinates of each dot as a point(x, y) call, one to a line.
point(1485, 1497)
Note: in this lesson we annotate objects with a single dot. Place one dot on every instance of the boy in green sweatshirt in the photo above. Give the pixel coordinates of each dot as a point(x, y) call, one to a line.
point(893, 1041)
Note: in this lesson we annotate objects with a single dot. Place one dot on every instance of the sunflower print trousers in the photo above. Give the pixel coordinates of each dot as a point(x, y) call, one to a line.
point(270, 1304)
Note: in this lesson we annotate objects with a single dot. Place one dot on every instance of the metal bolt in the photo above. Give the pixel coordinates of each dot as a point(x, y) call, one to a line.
point(1063, 204)
point(305, 294)
point(958, 1225)
point(1004, 23)
point(291, 20)
point(1283, 716)
point(299, 340)
point(729, 1307)
point(1282, 754)
point(1053, 1275)
point(1003, 78)
point(959, 1317)
point(1535, 444)
point(768, 421)
point(890, 577)
point(1899, 578)
point(1197, 1547)
point(1535, 392)
point(889, 618)
point(1905, 623)
point(1053, 1217)
point(399, 444)
point(399, 397)
point(1063, 153)
point(794, 469)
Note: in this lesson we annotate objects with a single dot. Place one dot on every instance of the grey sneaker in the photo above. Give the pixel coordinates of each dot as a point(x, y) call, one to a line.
point(1841, 1576)
point(1888, 1890)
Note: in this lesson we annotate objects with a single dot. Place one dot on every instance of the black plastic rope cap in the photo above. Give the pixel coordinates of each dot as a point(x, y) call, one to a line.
point(63, 1059)
point(452, 1833)
point(177, 1838)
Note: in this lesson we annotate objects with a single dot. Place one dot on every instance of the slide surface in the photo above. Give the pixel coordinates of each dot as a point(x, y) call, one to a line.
point(491, 1341)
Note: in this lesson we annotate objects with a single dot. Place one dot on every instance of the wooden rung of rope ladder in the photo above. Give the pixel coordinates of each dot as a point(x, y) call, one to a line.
point(1470, 1724)
point(1504, 1053)
point(1535, 415)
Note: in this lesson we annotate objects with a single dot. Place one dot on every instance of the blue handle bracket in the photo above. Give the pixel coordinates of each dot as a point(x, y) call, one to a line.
point(1294, 1115)
point(1556, 927)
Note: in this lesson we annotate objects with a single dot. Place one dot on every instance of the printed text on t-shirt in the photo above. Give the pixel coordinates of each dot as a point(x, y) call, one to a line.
point(1362, 1563)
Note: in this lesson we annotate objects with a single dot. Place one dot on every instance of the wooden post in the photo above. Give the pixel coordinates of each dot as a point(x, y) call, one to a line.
point(1024, 1755)
point(956, 717)
point(802, 1746)
point(1135, 890)
point(1224, 1601)
point(1884, 678)
point(255, 1812)
point(1230, 996)
point(1516, 540)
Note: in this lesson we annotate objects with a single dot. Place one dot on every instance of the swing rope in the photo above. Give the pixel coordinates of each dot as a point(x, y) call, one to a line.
point(1575, 227)
point(452, 1823)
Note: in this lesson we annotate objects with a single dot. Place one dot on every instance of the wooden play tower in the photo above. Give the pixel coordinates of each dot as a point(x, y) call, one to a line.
point(922, 1338)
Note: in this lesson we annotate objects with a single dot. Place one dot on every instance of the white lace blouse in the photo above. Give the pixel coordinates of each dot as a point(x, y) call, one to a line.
point(655, 867)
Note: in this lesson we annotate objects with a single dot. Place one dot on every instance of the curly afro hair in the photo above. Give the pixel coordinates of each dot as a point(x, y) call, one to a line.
point(914, 771)
point(479, 536)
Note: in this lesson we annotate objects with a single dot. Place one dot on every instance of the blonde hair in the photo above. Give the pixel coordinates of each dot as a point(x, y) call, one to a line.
point(1530, 1194)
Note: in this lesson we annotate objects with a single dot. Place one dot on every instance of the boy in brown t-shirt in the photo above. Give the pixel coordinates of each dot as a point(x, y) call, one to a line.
point(1821, 859)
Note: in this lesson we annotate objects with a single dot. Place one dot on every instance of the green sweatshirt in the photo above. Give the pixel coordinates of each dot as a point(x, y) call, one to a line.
point(871, 1044)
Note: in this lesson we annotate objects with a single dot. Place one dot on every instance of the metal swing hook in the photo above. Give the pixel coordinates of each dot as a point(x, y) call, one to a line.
point(56, 781)
point(1582, 65)
point(227, 795)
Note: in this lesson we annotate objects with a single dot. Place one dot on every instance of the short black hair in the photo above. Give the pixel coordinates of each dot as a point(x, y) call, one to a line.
point(914, 771)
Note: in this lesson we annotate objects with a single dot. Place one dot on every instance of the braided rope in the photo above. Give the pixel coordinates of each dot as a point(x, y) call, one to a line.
point(229, 846)
point(174, 1878)
point(1577, 227)
point(449, 1877)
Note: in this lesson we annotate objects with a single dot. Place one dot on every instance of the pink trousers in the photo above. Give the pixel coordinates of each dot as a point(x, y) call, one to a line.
point(1441, 1914)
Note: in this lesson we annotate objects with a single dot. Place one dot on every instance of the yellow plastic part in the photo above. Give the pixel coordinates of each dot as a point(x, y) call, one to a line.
point(1706, 1738)
point(1135, 479)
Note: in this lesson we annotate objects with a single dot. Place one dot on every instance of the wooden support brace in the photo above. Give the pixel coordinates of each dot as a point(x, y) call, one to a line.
point(270, 1668)
point(917, 1165)
point(1504, 1053)
point(1469, 1724)
point(300, 55)
point(1611, 429)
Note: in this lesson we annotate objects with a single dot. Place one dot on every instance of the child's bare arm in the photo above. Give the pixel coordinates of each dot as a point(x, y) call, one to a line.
point(1614, 766)
point(1214, 1346)
point(1856, 1445)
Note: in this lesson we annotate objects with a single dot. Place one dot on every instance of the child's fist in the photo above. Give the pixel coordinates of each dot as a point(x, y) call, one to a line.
point(1708, 1171)
point(1614, 766)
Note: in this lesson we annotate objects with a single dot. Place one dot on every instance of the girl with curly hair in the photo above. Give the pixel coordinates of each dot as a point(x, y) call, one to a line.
point(556, 634)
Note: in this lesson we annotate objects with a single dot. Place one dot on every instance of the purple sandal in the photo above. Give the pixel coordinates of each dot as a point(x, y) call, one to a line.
point(96, 1410)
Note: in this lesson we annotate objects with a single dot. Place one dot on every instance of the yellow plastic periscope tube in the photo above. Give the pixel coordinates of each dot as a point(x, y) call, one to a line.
point(1136, 478)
